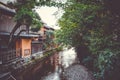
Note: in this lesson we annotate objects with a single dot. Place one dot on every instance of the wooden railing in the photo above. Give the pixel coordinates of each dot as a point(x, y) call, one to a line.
point(9, 55)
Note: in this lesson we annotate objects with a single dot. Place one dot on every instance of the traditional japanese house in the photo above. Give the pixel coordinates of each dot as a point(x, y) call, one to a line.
point(21, 42)
point(47, 33)
point(44, 29)
point(39, 44)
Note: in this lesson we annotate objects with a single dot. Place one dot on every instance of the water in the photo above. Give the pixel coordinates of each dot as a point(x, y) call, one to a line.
point(52, 76)
point(66, 58)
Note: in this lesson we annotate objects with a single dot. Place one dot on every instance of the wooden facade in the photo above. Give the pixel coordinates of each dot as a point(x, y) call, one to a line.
point(23, 45)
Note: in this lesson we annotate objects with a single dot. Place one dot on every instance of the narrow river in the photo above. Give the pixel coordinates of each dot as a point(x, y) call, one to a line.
point(66, 58)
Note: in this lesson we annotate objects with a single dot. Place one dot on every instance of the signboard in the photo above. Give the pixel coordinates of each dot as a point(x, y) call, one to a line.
point(27, 52)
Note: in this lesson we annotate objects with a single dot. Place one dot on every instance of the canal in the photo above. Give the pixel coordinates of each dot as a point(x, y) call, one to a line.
point(60, 66)
point(69, 68)
point(66, 58)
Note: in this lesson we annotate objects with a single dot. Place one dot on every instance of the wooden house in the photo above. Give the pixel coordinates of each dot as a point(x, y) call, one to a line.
point(38, 44)
point(21, 44)
point(47, 33)
point(44, 29)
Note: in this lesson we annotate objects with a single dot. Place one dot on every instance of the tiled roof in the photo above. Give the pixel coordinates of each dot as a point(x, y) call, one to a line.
point(6, 10)
point(48, 27)
point(21, 35)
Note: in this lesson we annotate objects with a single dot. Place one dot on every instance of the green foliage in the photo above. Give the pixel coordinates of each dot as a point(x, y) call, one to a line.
point(93, 24)
point(49, 36)
point(49, 41)
point(26, 7)
point(103, 62)
point(36, 24)
point(73, 23)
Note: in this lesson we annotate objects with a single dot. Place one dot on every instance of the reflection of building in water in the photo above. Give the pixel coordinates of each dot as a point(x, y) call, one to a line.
point(66, 57)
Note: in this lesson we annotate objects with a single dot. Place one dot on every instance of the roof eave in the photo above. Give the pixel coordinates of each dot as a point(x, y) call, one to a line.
point(6, 10)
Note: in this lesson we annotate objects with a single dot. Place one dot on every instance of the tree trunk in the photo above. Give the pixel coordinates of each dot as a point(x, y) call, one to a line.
point(12, 33)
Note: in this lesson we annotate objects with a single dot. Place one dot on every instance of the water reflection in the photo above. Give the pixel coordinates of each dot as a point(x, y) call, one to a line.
point(66, 58)
point(52, 76)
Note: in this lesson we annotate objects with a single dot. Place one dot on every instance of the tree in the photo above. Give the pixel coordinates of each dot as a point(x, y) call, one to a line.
point(26, 15)
point(92, 27)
